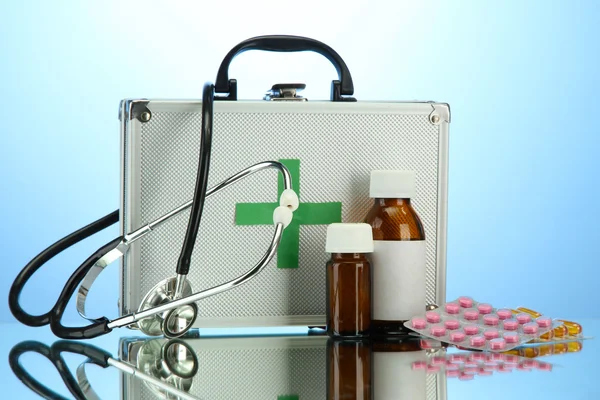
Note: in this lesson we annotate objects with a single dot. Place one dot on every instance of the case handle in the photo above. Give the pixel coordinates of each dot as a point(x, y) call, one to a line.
point(285, 44)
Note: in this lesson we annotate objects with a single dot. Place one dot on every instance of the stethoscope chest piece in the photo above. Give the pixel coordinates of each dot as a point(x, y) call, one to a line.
point(173, 362)
point(173, 323)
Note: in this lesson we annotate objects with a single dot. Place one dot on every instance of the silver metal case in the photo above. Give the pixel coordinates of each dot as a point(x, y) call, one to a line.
point(337, 145)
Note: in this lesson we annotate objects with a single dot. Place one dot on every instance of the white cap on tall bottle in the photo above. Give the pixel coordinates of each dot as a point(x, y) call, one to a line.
point(349, 238)
point(392, 184)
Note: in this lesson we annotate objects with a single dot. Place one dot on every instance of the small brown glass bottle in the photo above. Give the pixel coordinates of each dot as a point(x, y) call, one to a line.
point(349, 280)
point(349, 369)
point(399, 252)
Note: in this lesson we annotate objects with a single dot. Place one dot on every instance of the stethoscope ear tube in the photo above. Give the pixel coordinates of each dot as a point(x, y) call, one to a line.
point(54, 355)
point(100, 325)
point(41, 259)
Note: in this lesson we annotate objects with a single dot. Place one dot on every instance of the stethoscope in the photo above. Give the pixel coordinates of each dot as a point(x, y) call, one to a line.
point(169, 308)
point(167, 369)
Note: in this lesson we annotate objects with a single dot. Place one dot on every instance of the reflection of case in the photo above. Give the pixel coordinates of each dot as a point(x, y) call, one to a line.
point(253, 368)
point(332, 148)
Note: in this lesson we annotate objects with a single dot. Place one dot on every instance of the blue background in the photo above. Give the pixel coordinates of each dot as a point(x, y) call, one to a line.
point(521, 77)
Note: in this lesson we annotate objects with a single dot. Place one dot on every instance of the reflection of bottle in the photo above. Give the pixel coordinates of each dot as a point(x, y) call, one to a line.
point(349, 279)
point(399, 252)
point(348, 370)
point(393, 373)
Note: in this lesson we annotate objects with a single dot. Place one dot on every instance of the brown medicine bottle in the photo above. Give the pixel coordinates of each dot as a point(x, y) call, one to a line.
point(349, 280)
point(398, 258)
point(349, 369)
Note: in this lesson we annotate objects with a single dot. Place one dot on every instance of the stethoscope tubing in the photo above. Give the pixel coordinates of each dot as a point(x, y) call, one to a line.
point(80, 388)
point(87, 272)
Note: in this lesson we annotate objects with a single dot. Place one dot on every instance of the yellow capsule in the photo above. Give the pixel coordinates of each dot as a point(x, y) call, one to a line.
point(513, 352)
point(529, 352)
point(574, 347)
point(573, 327)
point(560, 348)
point(529, 311)
point(548, 335)
point(546, 350)
point(560, 331)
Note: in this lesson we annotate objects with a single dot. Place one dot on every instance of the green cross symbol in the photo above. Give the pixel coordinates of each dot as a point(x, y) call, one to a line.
point(306, 214)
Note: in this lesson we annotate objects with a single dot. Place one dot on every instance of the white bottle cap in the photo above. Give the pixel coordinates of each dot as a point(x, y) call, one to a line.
point(349, 238)
point(392, 184)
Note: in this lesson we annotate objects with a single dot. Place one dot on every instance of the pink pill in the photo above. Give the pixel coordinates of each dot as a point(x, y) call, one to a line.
point(490, 366)
point(452, 373)
point(523, 318)
point(477, 341)
point(471, 315)
point(465, 302)
point(437, 360)
point(504, 369)
point(530, 328)
point(529, 364)
point(432, 317)
point(490, 320)
point(452, 367)
point(470, 364)
point(432, 369)
point(452, 324)
point(419, 323)
point(457, 358)
point(544, 322)
point(484, 372)
point(419, 365)
point(504, 313)
point(452, 308)
point(467, 376)
point(543, 366)
point(484, 308)
point(457, 337)
point(511, 337)
point(496, 357)
point(437, 331)
point(497, 344)
point(490, 334)
point(477, 357)
point(471, 329)
point(520, 367)
point(511, 359)
point(510, 325)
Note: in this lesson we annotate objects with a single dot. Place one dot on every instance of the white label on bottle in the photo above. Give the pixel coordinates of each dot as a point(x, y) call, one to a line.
point(398, 282)
point(394, 377)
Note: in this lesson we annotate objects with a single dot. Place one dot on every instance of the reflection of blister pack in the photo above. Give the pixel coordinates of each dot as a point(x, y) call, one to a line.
point(466, 366)
point(470, 324)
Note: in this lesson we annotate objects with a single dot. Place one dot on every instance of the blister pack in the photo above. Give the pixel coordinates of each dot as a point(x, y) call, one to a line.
point(467, 365)
point(467, 323)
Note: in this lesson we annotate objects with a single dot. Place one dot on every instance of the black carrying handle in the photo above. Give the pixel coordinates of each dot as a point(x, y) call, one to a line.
point(286, 44)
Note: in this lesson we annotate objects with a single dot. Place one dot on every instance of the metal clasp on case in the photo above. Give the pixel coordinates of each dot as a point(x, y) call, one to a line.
point(285, 92)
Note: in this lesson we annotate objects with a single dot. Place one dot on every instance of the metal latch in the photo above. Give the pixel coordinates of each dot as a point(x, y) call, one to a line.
point(285, 92)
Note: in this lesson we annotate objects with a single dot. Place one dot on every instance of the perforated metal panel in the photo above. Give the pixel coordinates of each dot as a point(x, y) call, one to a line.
point(337, 145)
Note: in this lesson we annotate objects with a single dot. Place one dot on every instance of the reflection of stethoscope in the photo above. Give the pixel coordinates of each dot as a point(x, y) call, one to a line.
point(166, 369)
point(169, 308)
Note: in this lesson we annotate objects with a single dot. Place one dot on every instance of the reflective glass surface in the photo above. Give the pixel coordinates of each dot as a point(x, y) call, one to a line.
point(290, 365)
